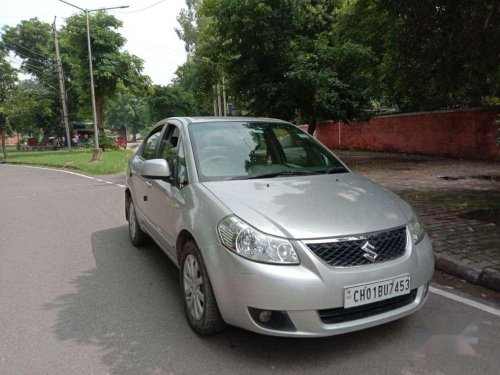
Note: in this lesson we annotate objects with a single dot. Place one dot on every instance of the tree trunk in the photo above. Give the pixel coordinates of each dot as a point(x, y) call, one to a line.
point(312, 124)
point(45, 138)
point(2, 131)
point(134, 132)
point(99, 106)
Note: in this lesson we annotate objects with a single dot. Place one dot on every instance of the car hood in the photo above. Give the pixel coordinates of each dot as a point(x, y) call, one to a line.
point(309, 207)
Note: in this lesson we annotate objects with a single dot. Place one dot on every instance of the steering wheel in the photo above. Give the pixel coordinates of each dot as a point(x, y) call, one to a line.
point(215, 158)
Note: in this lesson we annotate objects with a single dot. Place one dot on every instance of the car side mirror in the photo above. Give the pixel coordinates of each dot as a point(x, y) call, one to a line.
point(155, 169)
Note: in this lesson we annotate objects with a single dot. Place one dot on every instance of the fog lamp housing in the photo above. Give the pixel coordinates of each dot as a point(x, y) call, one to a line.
point(272, 319)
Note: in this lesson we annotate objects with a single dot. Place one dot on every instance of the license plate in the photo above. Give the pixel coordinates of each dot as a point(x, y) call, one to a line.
point(376, 291)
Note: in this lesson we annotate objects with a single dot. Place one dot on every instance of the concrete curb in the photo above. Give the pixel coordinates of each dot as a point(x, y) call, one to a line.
point(486, 277)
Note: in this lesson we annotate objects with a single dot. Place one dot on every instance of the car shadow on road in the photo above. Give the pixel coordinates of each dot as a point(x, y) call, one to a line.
point(129, 308)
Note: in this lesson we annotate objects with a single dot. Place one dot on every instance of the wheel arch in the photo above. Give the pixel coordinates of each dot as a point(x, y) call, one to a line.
point(183, 237)
point(128, 198)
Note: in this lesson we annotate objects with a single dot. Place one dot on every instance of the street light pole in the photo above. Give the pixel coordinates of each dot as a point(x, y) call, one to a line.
point(96, 152)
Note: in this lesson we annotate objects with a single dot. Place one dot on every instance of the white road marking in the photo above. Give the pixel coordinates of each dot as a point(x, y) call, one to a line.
point(63, 171)
point(465, 301)
point(51, 169)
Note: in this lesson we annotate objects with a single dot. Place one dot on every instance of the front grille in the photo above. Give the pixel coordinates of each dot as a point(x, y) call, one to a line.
point(340, 315)
point(348, 252)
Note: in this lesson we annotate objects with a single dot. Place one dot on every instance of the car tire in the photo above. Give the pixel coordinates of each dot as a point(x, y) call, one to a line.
point(208, 321)
point(137, 236)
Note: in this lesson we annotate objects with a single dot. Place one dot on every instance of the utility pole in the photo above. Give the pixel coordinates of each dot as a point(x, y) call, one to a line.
point(61, 85)
point(218, 100)
point(214, 92)
point(224, 96)
point(97, 152)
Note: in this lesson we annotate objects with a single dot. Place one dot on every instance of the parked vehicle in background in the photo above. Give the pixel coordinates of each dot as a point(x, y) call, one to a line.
point(272, 232)
point(120, 142)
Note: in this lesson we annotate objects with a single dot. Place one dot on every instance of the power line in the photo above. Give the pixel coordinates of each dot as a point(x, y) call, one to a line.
point(48, 84)
point(22, 55)
point(27, 65)
point(23, 47)
point(31, 58)
point(140, 10)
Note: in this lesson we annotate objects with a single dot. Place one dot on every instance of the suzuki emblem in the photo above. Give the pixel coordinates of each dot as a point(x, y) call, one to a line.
point(369, 253)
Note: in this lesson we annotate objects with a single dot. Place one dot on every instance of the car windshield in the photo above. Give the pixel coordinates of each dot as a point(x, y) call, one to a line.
point(244, 150)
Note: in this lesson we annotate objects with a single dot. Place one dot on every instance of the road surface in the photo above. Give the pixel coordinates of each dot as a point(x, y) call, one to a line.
point(77, 298)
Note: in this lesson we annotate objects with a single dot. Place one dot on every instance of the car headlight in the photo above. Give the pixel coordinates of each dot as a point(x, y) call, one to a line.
point(249, 243)
point(416, 229)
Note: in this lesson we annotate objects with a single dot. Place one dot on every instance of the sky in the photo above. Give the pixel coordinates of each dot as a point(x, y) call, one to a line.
point(150, 33)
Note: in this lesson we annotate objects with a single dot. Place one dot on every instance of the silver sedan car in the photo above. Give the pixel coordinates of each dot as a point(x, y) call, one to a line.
point(272, 232)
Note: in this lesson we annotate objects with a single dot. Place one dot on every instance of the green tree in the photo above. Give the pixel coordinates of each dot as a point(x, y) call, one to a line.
point(251, 43)
point(446, 52)
point(32, 42)
point(283, 58)
point(190, 22)
point(8, 78)
point(112, 66)
point(331, 77)
point(32, 109)
point(128, 111)
point(170, 101)
point(195, 80)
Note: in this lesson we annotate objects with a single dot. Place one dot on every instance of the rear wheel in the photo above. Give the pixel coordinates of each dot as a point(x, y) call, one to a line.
point(200, 305)
point(137, 236)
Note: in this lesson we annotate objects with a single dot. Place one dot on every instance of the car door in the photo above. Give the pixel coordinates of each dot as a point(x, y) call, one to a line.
point(162, 192)
point(140, 185)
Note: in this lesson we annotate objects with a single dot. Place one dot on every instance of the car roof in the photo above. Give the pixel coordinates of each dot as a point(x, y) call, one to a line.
point(201, 119)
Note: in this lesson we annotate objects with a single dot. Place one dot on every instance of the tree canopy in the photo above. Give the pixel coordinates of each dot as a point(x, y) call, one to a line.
point(344, 59)
point(300, 60)
point(115, 71)
point(112, 66)
point(8, 79)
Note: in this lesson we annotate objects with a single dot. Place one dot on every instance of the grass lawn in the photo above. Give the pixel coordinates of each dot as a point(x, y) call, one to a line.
point(114, 161)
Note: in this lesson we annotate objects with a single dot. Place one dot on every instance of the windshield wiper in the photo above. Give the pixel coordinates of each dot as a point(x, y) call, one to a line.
point(276, 174)
point(334, 170)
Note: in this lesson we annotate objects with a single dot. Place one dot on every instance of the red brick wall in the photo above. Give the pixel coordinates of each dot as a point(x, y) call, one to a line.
point(469, 133)
point(11, 140)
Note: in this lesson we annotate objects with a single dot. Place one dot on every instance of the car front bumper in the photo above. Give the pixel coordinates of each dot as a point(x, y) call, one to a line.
point(302, 290)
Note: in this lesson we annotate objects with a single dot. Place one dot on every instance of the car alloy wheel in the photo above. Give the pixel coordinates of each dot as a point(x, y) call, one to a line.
point(137, 236)
point(132, 221)
point(193, 287)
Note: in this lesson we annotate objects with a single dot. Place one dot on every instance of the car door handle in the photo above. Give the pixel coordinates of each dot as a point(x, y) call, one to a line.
point(149, 184)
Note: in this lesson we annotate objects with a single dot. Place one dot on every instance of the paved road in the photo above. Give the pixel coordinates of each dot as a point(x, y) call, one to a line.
point(77, 298)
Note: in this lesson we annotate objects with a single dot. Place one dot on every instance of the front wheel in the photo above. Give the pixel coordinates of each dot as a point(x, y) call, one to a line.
point(137, 236)
point(200, 305)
